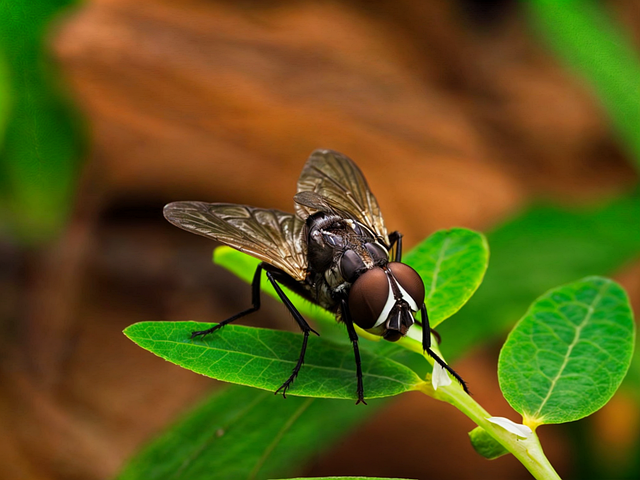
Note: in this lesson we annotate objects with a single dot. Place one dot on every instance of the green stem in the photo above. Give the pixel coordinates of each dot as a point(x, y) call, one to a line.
point(528, 451)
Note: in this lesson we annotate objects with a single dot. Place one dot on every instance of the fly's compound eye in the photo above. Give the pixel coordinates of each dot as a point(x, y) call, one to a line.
point(408, 279)
point(368, 297)
point(350, 263)
point(378, 253)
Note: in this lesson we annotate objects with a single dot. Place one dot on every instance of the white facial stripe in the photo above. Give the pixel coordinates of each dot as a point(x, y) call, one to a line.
point(407, 298)
point(391, 301)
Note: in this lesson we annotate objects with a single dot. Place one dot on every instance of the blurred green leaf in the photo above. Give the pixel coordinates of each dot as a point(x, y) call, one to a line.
point(452, 264)
point(5, 96)
point(42, 143)
point(583, 33)
point(344, 478)
point(243, 433)
point(567, 356)
point(264, 359)
point(485, 444)
point(542, 248)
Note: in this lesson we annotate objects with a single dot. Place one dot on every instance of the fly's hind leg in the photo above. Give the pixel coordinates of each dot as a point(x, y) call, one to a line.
point(255, 302)
point(304, 326)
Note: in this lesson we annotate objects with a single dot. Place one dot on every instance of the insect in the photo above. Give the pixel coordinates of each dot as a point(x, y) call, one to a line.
point(335, 251)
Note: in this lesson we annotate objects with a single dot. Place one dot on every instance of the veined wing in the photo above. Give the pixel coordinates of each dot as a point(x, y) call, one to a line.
point(340, 182)
point(271, 235)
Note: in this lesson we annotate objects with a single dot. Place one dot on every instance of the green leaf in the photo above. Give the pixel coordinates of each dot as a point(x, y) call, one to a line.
point(569, 353)
point(543, 247)
point(245, 433)
point(5, 95)
point(485, 444)
point(452, 265)
point(263, 358)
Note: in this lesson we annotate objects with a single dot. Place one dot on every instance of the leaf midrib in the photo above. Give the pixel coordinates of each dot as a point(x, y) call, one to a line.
point(436, 268)
point(276, 440)
point(321, 367)
point(576, 338)
point(213, 437)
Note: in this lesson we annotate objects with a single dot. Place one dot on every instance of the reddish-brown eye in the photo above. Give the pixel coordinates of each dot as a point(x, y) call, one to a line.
point(409, 279)
point(368, 297)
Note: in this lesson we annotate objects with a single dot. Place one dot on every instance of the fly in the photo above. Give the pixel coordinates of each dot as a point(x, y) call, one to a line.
point(334, 251)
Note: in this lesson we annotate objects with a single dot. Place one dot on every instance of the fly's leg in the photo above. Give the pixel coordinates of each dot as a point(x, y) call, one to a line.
point(353, 336)
point(426, 345)
point(304, 326)
point(255, 302)
point(395, 238)
point(435, 333)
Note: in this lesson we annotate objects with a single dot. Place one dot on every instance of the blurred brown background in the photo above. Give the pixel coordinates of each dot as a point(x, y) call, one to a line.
point(456, 113)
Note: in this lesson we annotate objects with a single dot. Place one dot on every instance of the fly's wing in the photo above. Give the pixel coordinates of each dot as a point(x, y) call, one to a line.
point(273, 236)
point(337, 182)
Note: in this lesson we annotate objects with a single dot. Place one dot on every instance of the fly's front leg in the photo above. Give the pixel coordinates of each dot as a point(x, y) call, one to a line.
point(395, 238)
point(426, 345)
point(304, 326)
point(255, 302)
point(435, 333)
point(353, 336)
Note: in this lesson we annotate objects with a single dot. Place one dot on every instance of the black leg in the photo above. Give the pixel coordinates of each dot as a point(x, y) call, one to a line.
point(426, 329)
point(353, 336)
point(395, 238)
point(426, 345)
point(304, 326)
point(255, 302)
point(435, 333)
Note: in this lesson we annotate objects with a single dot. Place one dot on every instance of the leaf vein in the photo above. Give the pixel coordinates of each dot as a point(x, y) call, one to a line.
point(576, 338)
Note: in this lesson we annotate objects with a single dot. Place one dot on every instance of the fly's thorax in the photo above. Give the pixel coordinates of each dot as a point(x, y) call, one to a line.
point(359, 256)
point(384, 300)
point(341, 247)
point(362, 257)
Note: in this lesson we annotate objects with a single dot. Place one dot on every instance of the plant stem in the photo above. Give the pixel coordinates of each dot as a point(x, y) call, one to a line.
point(528, 451)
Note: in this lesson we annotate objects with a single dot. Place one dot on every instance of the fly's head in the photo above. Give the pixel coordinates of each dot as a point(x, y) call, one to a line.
point(384, 300)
